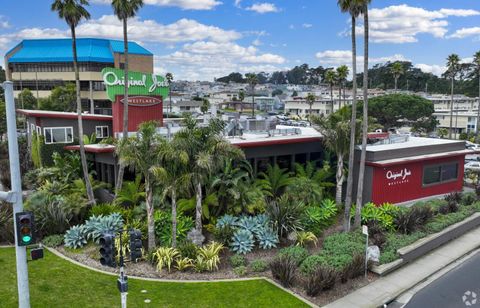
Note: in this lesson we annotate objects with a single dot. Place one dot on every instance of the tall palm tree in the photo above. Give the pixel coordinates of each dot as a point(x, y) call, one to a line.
point(476, 63)
point(252, 80)
point(342, 74)
point(172, 172)
point(335, 130)
point(207, 150)
point(310, 99)
point(361, 173)
point(73, 11)
point(241, 98)
point(354, 9)
point(139, 153)
point(274, 181)
point(330, 78)
point(169, 77)
point(397, 71)
point(125, 9)
point(453, 65)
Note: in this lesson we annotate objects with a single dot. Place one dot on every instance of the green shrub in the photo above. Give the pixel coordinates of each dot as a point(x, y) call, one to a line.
point(371, 212)
point(6, 223)
point(258, 266)
point(240, 271)
point(311, 263)
point(468, 198)
point(440, 222)
point(344, 243)
point(103, 209)
point(397, 241)
point(297, 253)
point(188, 250)
point(286, 214)
point(210, 255)
point(408, 220)
point(163, 227)
point(284, 269)
point(165, 256)
point(238, 260)
point(317, 218)
point(224, 234)
point(53, 240)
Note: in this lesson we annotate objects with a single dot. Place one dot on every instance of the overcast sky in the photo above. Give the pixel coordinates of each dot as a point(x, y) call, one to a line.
point(203, 39)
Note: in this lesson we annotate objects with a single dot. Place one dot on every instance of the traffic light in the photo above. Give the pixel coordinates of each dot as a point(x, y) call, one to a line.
point(24, 223)
point(107, 250)
point(135, 245)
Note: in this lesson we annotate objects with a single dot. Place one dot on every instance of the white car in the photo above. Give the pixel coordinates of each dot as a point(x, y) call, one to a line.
point(472, 146)
point(472, 166)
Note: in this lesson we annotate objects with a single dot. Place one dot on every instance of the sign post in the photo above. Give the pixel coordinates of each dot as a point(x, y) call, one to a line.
point(15, 195)
point(365, 231)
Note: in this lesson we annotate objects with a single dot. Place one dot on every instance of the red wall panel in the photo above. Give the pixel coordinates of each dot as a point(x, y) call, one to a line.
point(387, 188)
point(136, 114)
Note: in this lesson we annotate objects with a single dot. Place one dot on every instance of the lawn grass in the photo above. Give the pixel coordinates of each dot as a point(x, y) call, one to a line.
point(55, 282)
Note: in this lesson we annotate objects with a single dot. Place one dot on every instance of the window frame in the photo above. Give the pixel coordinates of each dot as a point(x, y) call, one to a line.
point(102, 127)
point(65, 128)
point(441, 165)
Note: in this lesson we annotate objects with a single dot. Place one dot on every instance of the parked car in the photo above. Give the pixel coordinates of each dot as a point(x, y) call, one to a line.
point(472, 166)
point(472, 146)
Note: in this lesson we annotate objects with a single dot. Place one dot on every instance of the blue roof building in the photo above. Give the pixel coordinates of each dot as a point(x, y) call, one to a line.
point(43, 64)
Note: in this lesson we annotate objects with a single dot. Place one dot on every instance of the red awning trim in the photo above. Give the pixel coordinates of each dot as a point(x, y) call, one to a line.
point(63, 115)
point(88, 149)
point(263, 142)
point(399, 161)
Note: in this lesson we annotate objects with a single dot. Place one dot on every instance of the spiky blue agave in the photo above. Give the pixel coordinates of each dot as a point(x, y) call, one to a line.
point(75, 237)
point(249, 223)
point(226, 221)
point(267, 238)
point(242, 242)
point(96, 226)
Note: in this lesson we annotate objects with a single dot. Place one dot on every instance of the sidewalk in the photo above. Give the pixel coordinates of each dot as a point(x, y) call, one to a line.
point(385, 289)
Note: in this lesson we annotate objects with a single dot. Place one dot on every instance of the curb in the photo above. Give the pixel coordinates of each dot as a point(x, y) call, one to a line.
point(64, 257)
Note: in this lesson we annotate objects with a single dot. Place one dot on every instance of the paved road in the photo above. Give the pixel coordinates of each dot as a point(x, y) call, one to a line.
point(458, 288)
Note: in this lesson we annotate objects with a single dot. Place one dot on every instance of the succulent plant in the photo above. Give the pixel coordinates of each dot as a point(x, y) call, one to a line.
point(75, 237)
point(262, 220)
point(226, 221)
point(267, 239)
point(96, 226)
point(249, 223)
point(242, 242)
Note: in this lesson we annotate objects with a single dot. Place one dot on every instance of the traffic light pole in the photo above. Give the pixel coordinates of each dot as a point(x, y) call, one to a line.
point(15, 195)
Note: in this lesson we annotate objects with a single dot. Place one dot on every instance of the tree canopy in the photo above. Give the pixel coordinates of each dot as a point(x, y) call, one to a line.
point(401, 109)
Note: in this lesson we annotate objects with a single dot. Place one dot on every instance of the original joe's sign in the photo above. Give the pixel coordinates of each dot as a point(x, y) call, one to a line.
point(139, 84)
point(398, 177)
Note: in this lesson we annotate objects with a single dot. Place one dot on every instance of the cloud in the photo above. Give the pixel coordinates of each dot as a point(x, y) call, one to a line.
point(466, 32)
point(7, 40)
point(4, 24)
point(257, 42)
point(306, 26)
point(206, 60)
point(402, 23)
point(183, 30)
point(237, 3)
point(434, 69)
point(183, 4)
point(263, 8)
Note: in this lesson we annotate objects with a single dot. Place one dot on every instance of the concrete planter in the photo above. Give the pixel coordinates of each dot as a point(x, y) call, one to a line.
point(428, 243)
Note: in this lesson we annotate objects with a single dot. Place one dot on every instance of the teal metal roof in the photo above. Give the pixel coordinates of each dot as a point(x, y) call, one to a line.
point(60, 50)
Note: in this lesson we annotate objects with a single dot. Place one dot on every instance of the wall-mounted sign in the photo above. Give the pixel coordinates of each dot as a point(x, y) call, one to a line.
point(398, 177)
point(143, 101)
point(139, 84)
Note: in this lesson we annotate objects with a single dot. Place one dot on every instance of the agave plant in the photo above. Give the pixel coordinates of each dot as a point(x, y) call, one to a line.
point(226, 221)
point(242, 242)
point(267, 238)
point(75, 237)
point(262, 220)
point(96, 226)
point(249, 223)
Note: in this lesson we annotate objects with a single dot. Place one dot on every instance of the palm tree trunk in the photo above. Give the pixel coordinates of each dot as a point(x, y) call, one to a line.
point(174, 218)
point(83, 157)
point(198, 208)
point(451, 113)
point(331, 95)
point(339, 178)
point(353, 133)
point(150, 219)
point(396, 81)
point(339, 97)
point(478, 111)
point(125, 104)
point(361, 172)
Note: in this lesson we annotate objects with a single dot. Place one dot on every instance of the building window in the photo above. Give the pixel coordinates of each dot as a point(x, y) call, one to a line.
point(102, 131)
point(437, 174)
point(58, 135)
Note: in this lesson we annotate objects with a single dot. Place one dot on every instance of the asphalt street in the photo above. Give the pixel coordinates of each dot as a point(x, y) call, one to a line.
point(458, 288)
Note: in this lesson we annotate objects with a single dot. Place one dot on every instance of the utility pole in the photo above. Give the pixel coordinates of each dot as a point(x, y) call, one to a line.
point(15, 195)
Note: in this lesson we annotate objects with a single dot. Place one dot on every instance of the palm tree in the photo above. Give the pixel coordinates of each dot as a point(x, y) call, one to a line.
point(169, 77)
point(361, 173)
point(453, 65)
point(310, 99)
point(241, 97)
point(73, 11)
point(354, 9)
point(335, 130)
point(252, 80)
point(330, 78)
point(125, 9)
point(342, 74)
point(172, 173)
point(274, 181)
point(476, 63)
point(397, 71)
point(139, 153)
point(207, 150)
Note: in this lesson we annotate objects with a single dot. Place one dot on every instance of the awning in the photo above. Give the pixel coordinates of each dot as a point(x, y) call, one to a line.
point(399, 161)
